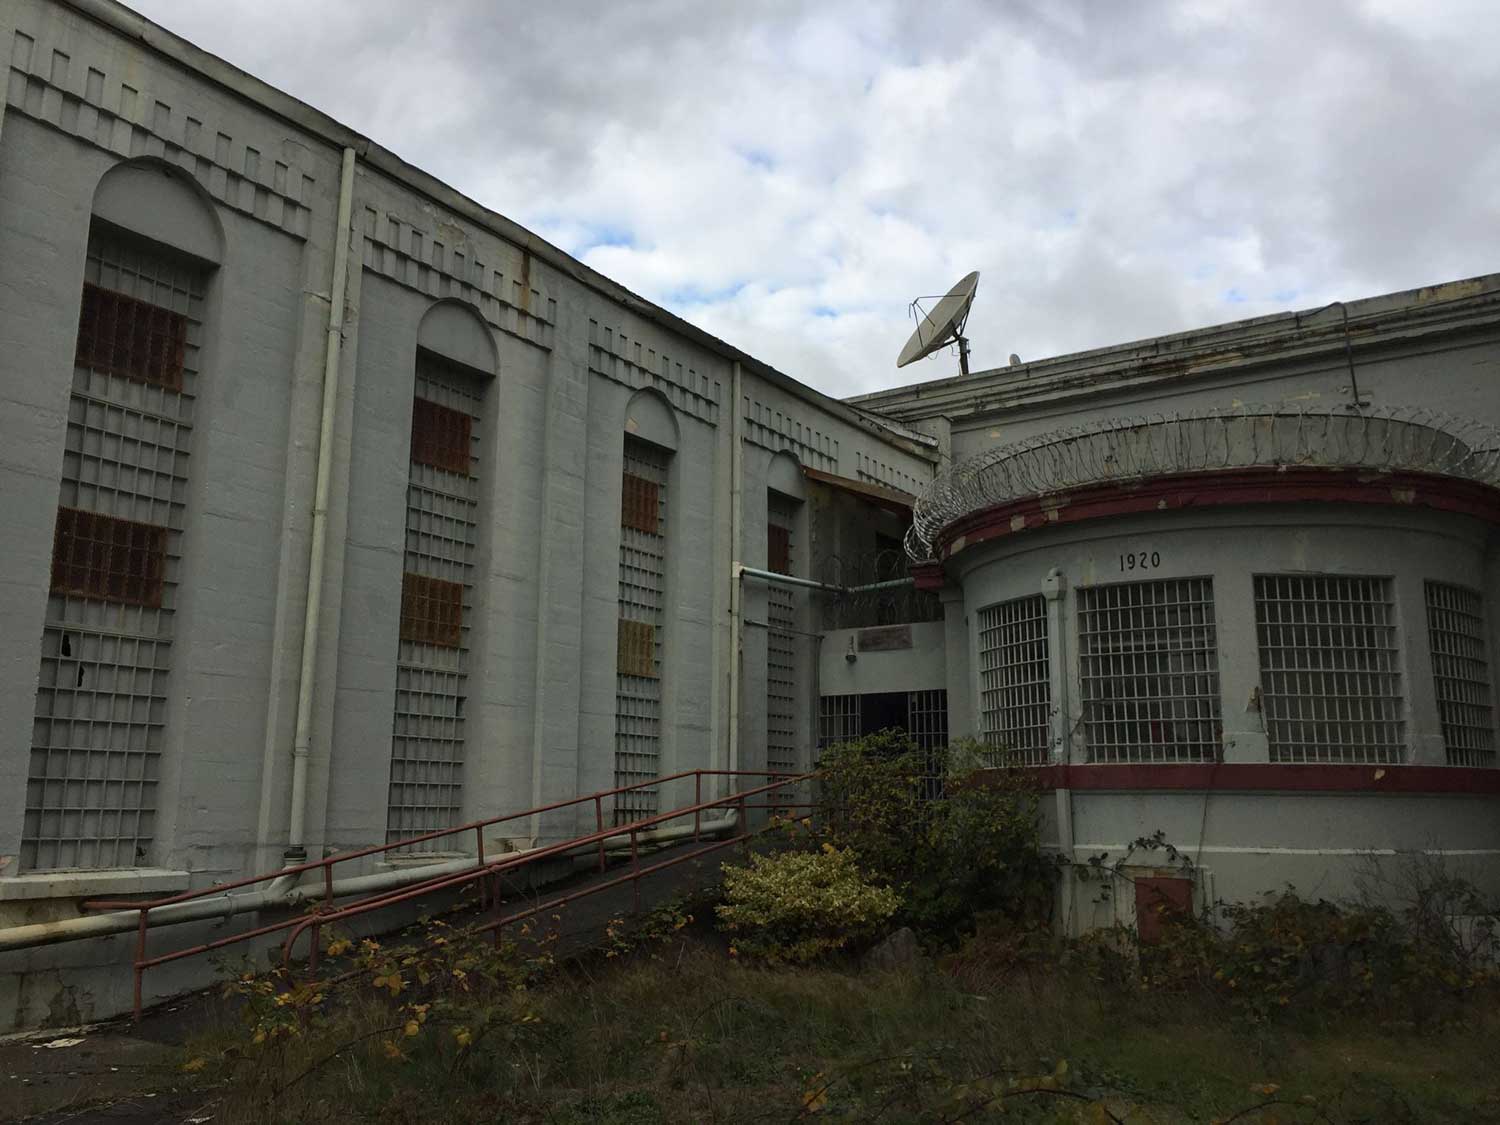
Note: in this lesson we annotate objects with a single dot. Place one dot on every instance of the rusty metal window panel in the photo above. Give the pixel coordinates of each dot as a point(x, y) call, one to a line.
point(432, 610)
point(437, 603)
point(1461, 673)
point(640, 504)
point(1148, 665)
point(636, 654)
point(102, 693)
point(131, 338)
point(113, 560)
point(1329, 668)
point(782, 678)
point(779, 549)
point(1015, 676)
point(643, 577)
point(442, 437)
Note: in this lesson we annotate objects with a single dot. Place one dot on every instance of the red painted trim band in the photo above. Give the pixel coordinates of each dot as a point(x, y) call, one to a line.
point(1230, 487)
point(1272, 777)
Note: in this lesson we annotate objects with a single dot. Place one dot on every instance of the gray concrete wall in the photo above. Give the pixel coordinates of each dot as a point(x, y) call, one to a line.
point(921, 667)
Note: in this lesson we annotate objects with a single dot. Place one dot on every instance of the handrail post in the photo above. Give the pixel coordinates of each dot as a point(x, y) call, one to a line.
point(744, 824)
point(140, 956)
point(697, 800)
point(479, 844)
point(312, 953)
point(599, 827)
point(328, 883)
point(635, 862)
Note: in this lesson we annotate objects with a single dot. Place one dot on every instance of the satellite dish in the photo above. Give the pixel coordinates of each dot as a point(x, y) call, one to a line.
point(944, 325)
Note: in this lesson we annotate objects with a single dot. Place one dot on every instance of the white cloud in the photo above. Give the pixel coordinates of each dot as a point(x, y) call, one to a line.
point(788, 175)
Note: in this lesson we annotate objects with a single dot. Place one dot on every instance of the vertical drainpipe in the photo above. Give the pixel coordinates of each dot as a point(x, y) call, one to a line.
point(296, 849)
point(736, 584)
point(1054, 587)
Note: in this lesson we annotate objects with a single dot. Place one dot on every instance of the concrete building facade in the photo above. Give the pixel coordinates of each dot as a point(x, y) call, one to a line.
point(342, 509)
point(1234, 591)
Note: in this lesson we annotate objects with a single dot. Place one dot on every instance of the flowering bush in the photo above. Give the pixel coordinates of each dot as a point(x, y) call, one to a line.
point(799, 906)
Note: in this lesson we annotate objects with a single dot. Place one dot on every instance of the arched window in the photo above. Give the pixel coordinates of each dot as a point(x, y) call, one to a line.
point(650, 440)
point(107, 645)
point(449, 455)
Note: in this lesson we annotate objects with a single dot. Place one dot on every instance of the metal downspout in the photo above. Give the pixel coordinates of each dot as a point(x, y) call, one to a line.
point(736, 594)
point(1054, 588)
point(307, 677)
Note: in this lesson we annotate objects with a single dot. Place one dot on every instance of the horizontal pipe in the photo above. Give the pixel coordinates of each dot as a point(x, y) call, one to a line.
point(744, 571)
point(283, 892)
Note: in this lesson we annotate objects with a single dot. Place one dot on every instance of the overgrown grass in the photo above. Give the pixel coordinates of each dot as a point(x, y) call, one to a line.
point(679, 1031)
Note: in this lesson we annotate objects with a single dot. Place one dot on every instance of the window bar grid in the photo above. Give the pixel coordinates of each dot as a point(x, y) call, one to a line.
point(1330, 679)
point(927, 718)
point(1149, 671)
point(643, 559)
point(1461, 673)
point(432, 662)
point(781, 638)
point(1016, 681)
point(102, 691)
point(838, 720)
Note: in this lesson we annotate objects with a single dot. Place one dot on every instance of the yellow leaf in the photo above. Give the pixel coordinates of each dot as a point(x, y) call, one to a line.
point(463, 1036)
point(1265, 1088)
point(412, 1027)
point(194, 1064)
point(391, 1050)
point(339, 947)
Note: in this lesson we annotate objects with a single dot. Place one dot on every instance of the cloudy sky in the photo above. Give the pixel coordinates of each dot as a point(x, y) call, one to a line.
point(788, 175)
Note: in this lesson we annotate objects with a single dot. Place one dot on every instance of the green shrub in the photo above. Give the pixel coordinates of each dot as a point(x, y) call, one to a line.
point(952, 842)
point(798, 906)
point(1287, 956)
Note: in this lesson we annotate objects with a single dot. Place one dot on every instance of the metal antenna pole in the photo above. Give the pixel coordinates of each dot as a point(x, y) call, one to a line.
point(963, 354)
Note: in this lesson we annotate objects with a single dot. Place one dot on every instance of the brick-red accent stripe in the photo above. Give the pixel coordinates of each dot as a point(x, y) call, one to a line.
point(1271, 777)
point(1231, 487)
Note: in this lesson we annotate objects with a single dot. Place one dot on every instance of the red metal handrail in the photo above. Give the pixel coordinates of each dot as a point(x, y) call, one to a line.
point(510, 864)
point(482, 867)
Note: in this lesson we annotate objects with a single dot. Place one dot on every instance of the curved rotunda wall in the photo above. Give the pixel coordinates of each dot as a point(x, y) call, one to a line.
point(1193, 703)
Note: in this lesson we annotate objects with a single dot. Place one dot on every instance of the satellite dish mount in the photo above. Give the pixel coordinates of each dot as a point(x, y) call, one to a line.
point(944, 325)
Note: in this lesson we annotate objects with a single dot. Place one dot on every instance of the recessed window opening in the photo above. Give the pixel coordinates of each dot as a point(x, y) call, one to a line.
point(638, 665)
point(1330, 676)
point(1015, 681)
point(1461, 673)
point(1149, 671)
point(101, 701)
point(781, 636)
point(437, 602)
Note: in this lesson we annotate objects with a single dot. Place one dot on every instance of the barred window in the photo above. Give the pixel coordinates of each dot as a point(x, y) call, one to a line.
point(441, 437)
point(113, 560)
point(641, 630)
point(1330, 680)
point(1016, 680)
point(1149, 671)
point(1461, 673)
point(103, 682)
point(432, 610)
point(428, 715)
point(131, 338)
point(838, 720)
